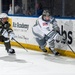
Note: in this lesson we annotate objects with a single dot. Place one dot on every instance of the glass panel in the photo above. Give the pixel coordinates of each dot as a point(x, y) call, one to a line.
point(18, 7)
point(30, 10)
point(5, 5)
point(35, 7)
point(70, 8)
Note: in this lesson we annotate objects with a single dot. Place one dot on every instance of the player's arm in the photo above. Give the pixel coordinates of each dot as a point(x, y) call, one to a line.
point(9, 30)
point(55, 25)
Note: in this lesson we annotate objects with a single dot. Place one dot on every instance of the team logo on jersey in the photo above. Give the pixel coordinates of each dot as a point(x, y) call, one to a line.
point(45, 24)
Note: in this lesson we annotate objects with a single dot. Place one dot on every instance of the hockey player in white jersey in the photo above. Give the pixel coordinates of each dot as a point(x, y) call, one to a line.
point(46, 29)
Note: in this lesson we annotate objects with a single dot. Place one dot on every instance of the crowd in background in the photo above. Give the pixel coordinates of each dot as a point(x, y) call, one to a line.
point(55, 6)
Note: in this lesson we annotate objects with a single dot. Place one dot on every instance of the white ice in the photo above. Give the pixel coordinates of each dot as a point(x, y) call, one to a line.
point(34, 63)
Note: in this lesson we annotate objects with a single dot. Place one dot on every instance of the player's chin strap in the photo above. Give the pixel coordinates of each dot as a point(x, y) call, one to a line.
point(19, 44)
point(67, 43)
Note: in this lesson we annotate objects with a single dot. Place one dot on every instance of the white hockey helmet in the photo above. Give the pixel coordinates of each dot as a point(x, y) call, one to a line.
point(3, 15)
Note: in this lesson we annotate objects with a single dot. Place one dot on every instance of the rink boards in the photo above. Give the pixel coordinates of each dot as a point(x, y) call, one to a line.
point(22, 27)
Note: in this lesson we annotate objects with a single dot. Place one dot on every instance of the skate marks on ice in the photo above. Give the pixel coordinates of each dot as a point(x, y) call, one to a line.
point(12, 58)
point(59, 59)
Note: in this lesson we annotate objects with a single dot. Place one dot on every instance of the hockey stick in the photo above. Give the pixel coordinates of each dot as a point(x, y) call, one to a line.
point(20, 44)
point(67, 44)
point(70, 47)
point(17, 42)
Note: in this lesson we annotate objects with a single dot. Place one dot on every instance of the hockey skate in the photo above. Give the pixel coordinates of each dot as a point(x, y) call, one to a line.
point(43, 49)
point(54, 52)
point(11, 51)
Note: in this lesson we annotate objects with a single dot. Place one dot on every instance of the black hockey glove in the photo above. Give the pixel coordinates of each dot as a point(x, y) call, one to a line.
point(57, 29)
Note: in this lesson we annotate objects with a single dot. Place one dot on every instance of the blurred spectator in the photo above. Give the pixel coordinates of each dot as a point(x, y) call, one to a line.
point(10, 9)
point(39, 9)
point(18, 9)
point(29, 11)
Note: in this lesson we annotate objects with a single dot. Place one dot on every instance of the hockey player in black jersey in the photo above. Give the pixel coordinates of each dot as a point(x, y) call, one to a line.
point(6, 33)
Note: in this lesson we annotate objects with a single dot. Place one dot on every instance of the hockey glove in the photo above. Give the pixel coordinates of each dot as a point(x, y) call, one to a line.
point(11, 35)
point(56, 29)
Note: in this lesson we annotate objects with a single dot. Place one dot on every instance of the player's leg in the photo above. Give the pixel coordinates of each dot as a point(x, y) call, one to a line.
point(8, 45)
point(42, 45)
point(53, 35)
point(40, 38)
point(52, 48)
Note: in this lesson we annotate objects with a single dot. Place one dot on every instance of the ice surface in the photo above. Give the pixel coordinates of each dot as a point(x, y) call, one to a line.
point(34, 63)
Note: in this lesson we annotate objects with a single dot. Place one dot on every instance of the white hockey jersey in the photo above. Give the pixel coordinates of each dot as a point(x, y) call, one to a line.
point(44, 26)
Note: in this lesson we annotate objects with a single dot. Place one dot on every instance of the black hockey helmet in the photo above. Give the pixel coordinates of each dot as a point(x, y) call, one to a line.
point(46, 13)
